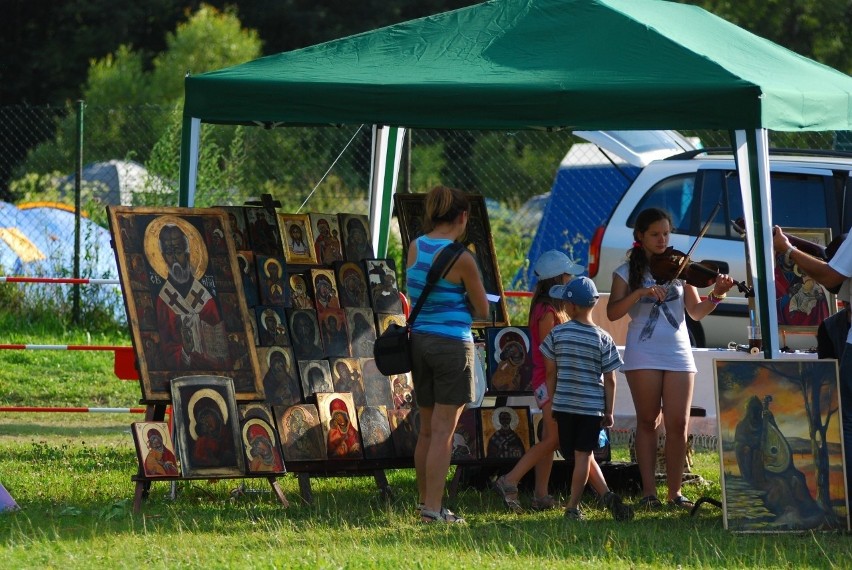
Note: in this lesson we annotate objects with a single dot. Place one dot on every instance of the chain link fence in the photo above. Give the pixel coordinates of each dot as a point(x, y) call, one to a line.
point(130, 156)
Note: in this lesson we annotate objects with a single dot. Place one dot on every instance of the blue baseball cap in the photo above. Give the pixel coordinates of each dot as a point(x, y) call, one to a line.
point(581, 291)
point(554, 263)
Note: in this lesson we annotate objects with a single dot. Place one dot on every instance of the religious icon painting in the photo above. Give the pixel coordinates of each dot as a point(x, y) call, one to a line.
point(260, 444)
point(402, 387)
point(357, 243)
point(272, 281)
point(305, 334)
point(327, 240)
point(505, 432)
point(466, 437)
point(264, 234)
point(802, 303)
point(340, 426)
point(384, 320)
point(154, 449)
point(272, 326)
point(405, 427)
point(781, 445)
point(477, 240)
point(509, 359)
point(298, 239)
point(207, 427)
point(248, 274)
point(236, 219)
point(346, 377)
point(316, 377)
point(375, 432)
point(300, 432)
point(325, 289)
point(335, 337)
point(361, 328)
point(352, 284)
point(281, 380)
point(301, 290)
point(195, 302)
point(381, 280)
point(377, 386)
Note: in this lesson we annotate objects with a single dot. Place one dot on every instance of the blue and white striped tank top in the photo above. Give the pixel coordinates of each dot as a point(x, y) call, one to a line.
point(445, 312)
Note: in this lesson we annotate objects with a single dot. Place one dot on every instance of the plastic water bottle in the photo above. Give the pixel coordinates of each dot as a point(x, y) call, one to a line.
point(602, 439)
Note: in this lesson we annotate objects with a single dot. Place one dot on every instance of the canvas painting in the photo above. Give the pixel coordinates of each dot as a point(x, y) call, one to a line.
point(361, 327)
point(327, 240)
point(260, 444)
point(305, 334)
point(298, 239)
point(466, 437)
point(237, 225)
point(281, 380)
point(505, 432)
point(509, 359)
point(381, 280)
point(301, 291)
point(264, 235)
point(325, 289)
point(272, 326)
point(316, 376)
point(301, 433)
point(410, 209)
point(377, 386)
point(154, 449)
point(402, 387)
point(207, 427)
point(357, 242)
point(272, 281)
point(335, 337)
point(781, 445)
point(405, 427)
point(248, 275)
point(352, 284)
point(193, 306)
point(346, 377)
point(340, 426)
point(802, 303)
point(375, 432)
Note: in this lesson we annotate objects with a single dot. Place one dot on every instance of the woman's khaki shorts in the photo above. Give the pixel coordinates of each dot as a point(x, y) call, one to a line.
point(442, 370)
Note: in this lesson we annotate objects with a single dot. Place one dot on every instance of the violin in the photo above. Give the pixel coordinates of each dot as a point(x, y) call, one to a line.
point(667, 266)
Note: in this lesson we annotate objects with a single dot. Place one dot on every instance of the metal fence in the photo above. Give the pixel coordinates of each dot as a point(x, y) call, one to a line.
point(130, 155)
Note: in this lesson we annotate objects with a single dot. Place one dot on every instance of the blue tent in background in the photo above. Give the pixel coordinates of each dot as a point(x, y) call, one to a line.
point(590, 181)
point(37, 239)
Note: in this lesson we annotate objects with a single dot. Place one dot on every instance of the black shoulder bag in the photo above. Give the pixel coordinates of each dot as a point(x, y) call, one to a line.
point(392, 350)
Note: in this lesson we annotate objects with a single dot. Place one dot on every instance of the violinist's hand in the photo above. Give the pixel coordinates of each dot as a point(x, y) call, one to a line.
point(723, 284)
point(656, 292)
point(780, 242)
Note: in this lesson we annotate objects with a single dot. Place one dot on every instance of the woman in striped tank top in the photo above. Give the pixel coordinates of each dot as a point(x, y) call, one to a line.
point(442, 344)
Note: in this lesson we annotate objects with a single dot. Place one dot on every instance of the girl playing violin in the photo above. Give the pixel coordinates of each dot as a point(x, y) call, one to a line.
point(658, 360)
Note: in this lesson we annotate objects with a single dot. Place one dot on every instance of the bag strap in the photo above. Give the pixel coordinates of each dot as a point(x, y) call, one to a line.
point(440, 267)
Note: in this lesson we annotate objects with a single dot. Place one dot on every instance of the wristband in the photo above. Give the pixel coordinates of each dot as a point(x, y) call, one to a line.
point(716, 299)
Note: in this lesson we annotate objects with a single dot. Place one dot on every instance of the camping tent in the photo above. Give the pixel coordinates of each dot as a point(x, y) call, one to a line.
point(546, 64)
point(115, 181)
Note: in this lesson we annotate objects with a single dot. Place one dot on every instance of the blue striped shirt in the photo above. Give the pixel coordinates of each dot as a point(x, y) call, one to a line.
point(445, 311)
point(583, 353)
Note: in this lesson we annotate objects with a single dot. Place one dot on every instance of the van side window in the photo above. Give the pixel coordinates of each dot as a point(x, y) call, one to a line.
point(675, 195)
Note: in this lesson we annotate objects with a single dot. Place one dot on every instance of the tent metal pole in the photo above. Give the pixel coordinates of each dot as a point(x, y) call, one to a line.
point(752, 156)
point(189, 147)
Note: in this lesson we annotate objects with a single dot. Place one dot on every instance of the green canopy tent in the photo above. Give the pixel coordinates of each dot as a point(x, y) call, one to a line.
point(544, 64)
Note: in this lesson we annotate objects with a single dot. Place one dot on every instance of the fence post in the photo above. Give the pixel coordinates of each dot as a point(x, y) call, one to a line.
point(78, 183)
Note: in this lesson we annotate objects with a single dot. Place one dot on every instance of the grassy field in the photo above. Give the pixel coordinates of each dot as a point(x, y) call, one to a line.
point(70, 473)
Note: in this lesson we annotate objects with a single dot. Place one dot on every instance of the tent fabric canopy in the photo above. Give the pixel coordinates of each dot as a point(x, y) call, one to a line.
point(506, 64)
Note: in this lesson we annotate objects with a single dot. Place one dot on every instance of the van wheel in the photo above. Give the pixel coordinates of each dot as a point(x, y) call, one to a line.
point(696, 333)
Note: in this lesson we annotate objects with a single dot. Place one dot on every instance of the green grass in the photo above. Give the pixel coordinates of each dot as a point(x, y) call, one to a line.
point(71, 475)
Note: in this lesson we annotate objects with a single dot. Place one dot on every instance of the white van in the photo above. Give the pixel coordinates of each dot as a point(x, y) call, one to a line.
point(809, 190)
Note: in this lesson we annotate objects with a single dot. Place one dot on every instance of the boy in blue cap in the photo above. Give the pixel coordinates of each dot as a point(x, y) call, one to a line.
point(580, 364)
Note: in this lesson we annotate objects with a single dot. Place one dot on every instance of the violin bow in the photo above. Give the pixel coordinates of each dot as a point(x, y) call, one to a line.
point(686, 257)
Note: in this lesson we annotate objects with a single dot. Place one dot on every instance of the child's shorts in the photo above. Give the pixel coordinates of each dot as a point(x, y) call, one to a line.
point(577, 432)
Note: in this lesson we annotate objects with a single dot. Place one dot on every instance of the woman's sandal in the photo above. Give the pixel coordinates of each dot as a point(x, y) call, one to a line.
point(544, 503)
point(682, 503)
point(509, 493)
point(445, 516)
point(650, 502)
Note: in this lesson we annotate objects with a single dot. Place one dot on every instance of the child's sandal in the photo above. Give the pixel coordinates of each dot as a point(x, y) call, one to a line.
point(445, 516)
point(651, 502)
point(509, 493)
